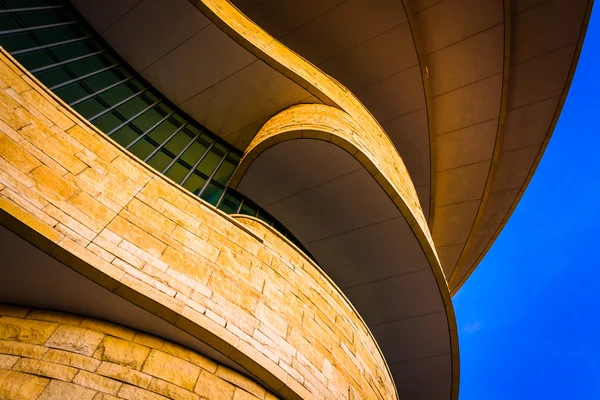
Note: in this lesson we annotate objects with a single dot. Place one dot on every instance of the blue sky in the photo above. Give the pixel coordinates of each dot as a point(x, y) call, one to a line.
point(529, 316)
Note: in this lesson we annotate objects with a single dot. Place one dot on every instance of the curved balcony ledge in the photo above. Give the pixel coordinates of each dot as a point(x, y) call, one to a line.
point(315, 170)
point(117, 230)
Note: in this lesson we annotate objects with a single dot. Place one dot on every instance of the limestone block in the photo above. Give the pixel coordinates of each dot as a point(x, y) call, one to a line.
point(148, 340)
point(22, 349)
point(188, 355)
point(25, 331)
point(213, 387)
point(78, 340)
point(123, 352)
point(55, 316)
point(134, 393)
point(46, 369)
point(10, 310)
point(72, 359)
point(7, 362)
point(171, 391)
point(97, 382)
point(172, 369)
point(66, 391)
point(124, 374)
point(19, 386)
point(108, 328)
point(172, 372)
point(240, 381)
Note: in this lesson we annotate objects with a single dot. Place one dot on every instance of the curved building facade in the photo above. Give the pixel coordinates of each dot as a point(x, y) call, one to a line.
point(215, 199)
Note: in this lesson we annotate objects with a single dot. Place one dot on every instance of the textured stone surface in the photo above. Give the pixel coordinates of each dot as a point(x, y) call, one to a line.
point(237, 285)
point(77, 340)
point(123, 352)
point(65, 374)
point(16, 385)
point(172, 369)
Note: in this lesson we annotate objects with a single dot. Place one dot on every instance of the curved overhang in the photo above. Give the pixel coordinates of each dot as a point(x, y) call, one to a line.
point(495, 74)
point(314, 168)
point(539, 64)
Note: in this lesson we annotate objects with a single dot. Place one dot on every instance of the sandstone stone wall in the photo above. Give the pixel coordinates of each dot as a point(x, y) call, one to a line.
point(52, 355)
point(237, 285)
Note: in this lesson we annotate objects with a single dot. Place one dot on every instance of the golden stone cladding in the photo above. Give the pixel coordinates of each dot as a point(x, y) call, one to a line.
point(53, 355)
point(236, 285)
point(322, 122)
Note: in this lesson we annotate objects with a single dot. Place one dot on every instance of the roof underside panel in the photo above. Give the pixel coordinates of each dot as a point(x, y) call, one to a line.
point(195, 64)
point(539, 64)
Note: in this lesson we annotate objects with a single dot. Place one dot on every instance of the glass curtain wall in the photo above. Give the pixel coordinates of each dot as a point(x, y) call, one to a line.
point(51, 40)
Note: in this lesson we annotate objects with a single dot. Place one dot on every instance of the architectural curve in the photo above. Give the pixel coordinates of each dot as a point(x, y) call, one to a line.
point(446, 85)
point(243, 291)
point(459, 99)
point(295, 128)
point(483, 237)
point(469, 245)
point(317, 121)
point(301, 71)
point(422, 57)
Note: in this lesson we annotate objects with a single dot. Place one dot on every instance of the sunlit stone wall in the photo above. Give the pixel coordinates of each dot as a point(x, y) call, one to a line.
point(235, 284)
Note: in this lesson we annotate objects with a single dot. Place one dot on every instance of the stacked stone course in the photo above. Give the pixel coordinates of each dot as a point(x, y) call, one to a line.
point(52, 355)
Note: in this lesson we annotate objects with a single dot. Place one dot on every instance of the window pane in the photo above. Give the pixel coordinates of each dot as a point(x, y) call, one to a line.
point(135, 105)
point(28, 3)
point(162, 132)
point(230, 203)
point(249, 208)
point(211, 193)
point(262, 214)
point(36, 59)
point(92, 107)
point(102, 80)
point(72, 92)
point(53, 76)
point(177, 172)
point(89, 65)
point(160, 160)
point(150, 118)
point(72, 50)
point(194, 183)
point(225, 170)
point(45, 17)
point(9, 22)
point(211, 160)
point(125, 135)
point(280, 228)
point(118, 93)
point(142, 148)
point(195, 151)
point(15, 42)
